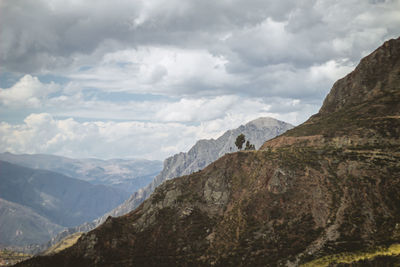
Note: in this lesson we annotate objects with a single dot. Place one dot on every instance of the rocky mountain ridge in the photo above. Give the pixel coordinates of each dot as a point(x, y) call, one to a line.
point(201, 154)
point(327, 186)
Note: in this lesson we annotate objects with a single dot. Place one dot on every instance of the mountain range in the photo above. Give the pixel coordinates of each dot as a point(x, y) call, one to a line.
point(324, 193)
point(21, 225)
point(36, 204)
point(124, 174)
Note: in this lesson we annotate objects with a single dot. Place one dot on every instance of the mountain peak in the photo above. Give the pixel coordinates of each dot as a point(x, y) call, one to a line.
point(367, 98)
point(265, 122)
point(375, 73)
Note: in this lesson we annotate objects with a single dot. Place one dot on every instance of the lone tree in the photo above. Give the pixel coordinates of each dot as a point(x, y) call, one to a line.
point(240, 141)
point(249, 146)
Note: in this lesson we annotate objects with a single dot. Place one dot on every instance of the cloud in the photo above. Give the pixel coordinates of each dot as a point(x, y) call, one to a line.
point(158, 70)
point(196, 48)
point(42, 133)
point(197, 73)
point(197, 110)
point(71, 100)
point(168, 73)
point(57, 34)
point(27, 92)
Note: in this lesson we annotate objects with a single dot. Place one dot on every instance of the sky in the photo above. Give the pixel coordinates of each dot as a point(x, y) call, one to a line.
point(148, 78)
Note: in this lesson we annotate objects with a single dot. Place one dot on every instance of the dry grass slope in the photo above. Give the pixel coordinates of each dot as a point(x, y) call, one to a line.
point(8, 257)
point(348, 258)
point(63, 244)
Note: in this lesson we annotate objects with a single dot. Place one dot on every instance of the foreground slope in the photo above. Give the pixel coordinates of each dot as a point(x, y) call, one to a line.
point(328, 186)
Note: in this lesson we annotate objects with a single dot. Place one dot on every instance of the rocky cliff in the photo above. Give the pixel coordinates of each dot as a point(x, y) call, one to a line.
point(326, 187)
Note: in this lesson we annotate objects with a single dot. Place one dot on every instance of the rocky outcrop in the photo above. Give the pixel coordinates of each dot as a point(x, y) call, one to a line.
point(328, 186)
point(376, 75)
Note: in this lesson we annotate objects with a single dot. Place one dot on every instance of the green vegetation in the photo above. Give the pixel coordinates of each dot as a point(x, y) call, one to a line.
point(354, 257)
point(249, 146)
point(240, 141)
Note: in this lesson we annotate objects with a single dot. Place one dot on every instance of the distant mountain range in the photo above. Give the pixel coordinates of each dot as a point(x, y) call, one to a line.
point(39, 203)
point(21, 225)
point(125, 174)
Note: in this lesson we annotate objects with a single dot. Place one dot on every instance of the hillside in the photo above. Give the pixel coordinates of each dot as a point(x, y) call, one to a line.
point(20, 225)
point(327, 187)
point(40, 203)
point(124, 174)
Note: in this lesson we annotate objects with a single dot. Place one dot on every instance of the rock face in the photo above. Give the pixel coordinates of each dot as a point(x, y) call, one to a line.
point(128, 175)
point(328, 186)
point(375, 76)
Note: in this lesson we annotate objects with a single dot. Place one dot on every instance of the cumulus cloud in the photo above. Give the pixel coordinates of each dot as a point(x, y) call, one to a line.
point(55, 34)
point(27, 92)
point(42, 133)
point(196, 48)
point(197, 73)
point(158, 70)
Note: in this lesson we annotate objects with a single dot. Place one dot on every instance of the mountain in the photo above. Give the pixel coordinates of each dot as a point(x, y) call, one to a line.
point(200, 155)
point(20, 225)
point(325, 193)
point(205, 152)
point(125, 174)
point(47, 201)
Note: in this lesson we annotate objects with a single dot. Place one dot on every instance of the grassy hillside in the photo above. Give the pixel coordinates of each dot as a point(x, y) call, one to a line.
point(63, 244)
